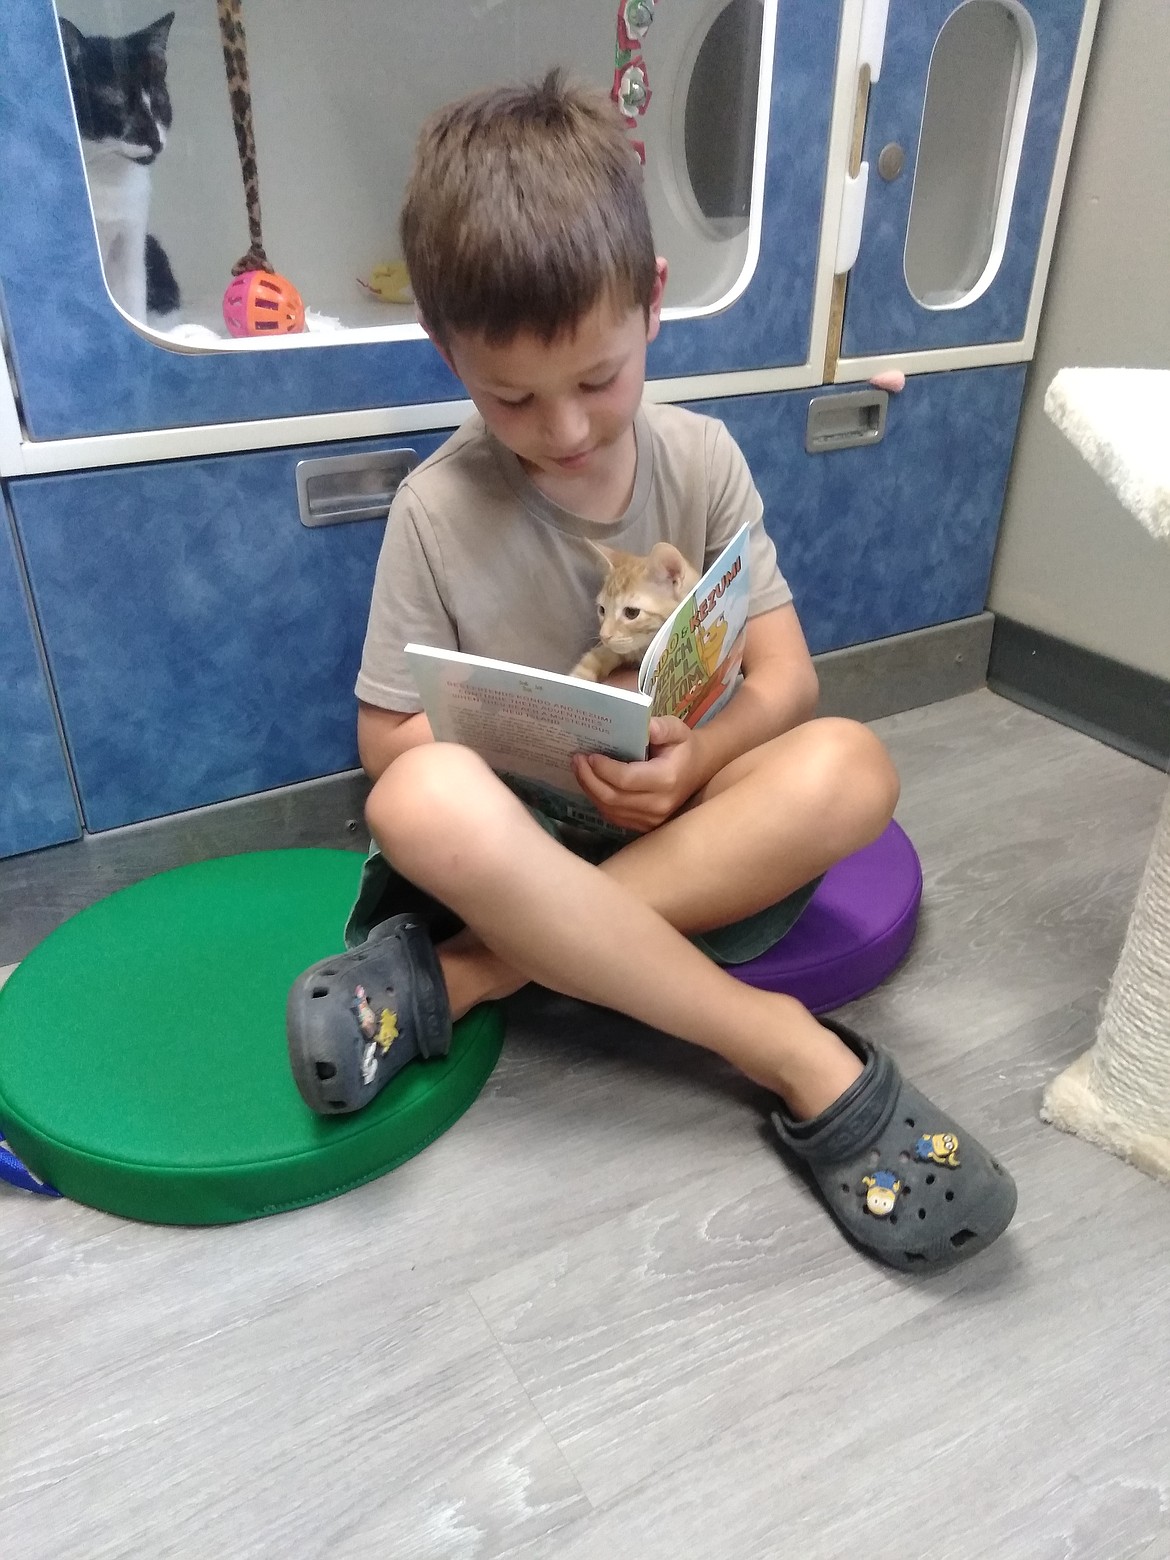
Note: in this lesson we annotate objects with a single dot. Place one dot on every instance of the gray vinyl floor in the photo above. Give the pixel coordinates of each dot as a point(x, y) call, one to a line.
point(600, 1318)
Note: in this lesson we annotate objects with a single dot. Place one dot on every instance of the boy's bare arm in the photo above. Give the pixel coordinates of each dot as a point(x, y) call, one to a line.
point(779, 691)
point(384, 734)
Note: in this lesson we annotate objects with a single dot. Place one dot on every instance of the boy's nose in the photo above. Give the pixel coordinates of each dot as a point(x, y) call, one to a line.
point(566, 428)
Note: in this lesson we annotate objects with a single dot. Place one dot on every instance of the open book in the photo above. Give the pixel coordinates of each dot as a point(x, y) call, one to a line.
point(527, 724)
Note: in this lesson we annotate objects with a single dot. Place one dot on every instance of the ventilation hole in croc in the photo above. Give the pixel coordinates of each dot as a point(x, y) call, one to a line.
point(930, 1180)
point(328, 972)
point(893, 1218)
point(319, 991)
point(961, 1237)
point(904, 1157)
point(906, 1190)
point(910, 1121)
point(916, 1256)
point(335, 1104)
point(874, 1158)
point(950, 1197)
point(326, 1070)
point(922, 1213)
point(845, 1187)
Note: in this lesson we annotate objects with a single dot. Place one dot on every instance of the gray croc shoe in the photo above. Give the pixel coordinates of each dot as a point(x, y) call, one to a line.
point(904, 1181)
point(356, 1020)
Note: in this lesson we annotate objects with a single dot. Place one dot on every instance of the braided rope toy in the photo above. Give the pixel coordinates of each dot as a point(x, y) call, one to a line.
point(258, 301)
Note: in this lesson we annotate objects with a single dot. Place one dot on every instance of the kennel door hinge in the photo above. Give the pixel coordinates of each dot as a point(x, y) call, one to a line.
point(874, 16)
point(870, 48)
point(852, 216)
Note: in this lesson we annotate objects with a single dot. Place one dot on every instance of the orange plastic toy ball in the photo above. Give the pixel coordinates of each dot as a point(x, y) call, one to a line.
point(260, 303)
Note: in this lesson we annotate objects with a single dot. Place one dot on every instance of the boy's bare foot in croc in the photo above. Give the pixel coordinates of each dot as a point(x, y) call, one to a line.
point(903, 1180)
point(356, 1020)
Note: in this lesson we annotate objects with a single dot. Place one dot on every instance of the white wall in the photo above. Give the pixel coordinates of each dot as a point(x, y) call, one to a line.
point(1071, 561)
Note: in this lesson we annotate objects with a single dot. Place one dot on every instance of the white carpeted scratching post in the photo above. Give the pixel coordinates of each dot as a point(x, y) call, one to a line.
point(1118, 1093)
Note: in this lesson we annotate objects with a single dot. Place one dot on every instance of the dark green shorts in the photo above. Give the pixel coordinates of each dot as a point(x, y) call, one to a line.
point(383, 892)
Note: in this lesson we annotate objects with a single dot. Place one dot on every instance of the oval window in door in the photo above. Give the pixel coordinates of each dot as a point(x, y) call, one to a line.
point(720, 115)
point(978, 90)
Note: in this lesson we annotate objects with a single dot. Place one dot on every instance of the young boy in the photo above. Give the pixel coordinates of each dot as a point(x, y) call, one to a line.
point(528, 243)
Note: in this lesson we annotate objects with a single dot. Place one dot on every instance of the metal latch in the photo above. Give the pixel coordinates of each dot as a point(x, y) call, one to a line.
point(839, 422)
point(334, 489)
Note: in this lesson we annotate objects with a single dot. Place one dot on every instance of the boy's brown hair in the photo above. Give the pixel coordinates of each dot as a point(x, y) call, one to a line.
point(525, 209)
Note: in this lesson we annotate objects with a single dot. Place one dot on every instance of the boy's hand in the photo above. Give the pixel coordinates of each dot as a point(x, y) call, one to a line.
point(642, 794)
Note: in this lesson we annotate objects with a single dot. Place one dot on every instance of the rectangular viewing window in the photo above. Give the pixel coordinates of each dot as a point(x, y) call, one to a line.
point(338, 94)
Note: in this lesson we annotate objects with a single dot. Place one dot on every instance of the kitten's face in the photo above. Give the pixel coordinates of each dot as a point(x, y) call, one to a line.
point(119, 88)
point(638, 595)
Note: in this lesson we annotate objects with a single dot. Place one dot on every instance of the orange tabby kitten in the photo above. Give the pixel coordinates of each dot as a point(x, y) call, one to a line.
point(635, 599)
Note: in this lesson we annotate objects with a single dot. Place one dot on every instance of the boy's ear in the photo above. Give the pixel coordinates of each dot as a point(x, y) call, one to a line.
point(438, 346)
point(654, 312)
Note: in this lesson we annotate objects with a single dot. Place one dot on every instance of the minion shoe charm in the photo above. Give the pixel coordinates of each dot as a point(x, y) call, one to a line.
point(940, 1148)
point(881, 1195)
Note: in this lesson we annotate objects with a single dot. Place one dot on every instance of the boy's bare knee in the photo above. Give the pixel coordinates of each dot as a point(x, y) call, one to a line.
point(432, 794)
point(864, 762)
point(851, 771)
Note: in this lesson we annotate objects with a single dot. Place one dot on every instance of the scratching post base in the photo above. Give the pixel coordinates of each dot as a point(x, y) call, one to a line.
point(1118, 1093)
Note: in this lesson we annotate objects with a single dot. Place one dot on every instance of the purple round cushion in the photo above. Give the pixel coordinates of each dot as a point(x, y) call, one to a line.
point(856, 929)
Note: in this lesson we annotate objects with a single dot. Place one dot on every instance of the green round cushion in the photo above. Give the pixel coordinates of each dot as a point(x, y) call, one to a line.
point(143, 1061)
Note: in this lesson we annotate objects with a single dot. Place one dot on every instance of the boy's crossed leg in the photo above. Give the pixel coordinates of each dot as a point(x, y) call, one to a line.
point(614, 935)
point(767, 824)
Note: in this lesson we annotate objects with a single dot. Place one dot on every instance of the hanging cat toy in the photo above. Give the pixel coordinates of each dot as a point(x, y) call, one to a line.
point(258, 301)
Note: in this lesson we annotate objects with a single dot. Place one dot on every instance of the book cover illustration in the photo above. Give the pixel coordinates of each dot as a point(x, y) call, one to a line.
point(692, 666)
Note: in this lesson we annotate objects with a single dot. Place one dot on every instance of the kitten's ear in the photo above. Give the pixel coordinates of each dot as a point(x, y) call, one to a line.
point(73, 39)
point(607, 555)
point(667, 565)
point(156, 36)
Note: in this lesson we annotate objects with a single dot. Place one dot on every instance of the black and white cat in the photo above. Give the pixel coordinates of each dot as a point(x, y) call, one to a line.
point(123, 108)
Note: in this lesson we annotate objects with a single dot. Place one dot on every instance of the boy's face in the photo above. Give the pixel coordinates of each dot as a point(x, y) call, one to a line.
point(566, 408)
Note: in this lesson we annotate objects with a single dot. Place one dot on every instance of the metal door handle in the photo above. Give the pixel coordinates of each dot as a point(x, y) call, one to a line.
point(840, 422)
point(334, 489)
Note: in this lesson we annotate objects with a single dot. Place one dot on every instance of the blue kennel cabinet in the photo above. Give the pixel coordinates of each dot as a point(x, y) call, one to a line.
point(802, 161)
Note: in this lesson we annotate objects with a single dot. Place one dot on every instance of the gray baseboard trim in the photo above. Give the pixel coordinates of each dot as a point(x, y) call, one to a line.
point(905, 671)
point(41, 889)
point(1117, 704)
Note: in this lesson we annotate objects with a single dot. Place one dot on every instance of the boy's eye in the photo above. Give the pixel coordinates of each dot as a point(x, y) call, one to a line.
point(514, 405)
point(630, 613)
point(604, 384)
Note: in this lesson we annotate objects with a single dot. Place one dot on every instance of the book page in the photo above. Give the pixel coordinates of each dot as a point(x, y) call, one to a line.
point(528, 724)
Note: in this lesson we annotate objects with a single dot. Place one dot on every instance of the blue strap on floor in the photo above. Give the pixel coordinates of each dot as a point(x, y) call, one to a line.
point(16, 1173)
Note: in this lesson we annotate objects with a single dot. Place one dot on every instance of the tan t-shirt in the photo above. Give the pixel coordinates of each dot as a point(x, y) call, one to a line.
point(476, 558)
